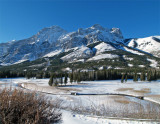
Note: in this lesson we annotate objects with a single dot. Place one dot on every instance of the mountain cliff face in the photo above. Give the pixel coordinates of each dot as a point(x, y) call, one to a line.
point(84, 45)
point(55, 38)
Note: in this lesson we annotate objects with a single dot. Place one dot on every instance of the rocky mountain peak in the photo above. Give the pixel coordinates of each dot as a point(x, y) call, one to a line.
point(51, 29)
point(50, 34)
point(117, 32)
point(98, 27)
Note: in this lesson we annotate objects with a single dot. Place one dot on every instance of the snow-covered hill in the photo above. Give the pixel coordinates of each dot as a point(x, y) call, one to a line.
point(84, 45)
point(148, 44)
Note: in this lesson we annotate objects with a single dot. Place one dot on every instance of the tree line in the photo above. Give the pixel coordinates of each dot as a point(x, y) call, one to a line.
point(59, 78)
point(62, 78)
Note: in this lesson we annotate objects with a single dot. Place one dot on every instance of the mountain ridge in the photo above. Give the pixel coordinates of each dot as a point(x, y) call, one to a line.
point(89, 44)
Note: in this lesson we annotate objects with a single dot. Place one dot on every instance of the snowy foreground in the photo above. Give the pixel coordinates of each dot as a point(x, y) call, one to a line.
point(150, 91)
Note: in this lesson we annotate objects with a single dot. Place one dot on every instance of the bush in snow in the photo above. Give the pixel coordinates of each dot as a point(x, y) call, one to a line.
point(19, 107)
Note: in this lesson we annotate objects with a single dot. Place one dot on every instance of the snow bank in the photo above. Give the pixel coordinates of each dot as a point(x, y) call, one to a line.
point(70, 118)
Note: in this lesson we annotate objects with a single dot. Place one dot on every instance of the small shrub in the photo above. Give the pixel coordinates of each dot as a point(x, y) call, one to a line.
point(19, 107)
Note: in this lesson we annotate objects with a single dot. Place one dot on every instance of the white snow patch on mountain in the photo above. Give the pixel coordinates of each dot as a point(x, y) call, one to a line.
point(103, 56)
point(81, 53)
point(101, 68)
point(51, 54)
point(130, 65)
point(20, 61)
point(79, 60)
point(65, 36)
point(5, 64)
point(133, 51)
point(154, 63)
point(75, 48)
point(142, 66)
point(67, 69)
point(102, 47)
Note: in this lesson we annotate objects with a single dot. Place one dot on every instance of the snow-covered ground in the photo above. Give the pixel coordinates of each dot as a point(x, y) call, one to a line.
point(150, 91)
point(71, 118)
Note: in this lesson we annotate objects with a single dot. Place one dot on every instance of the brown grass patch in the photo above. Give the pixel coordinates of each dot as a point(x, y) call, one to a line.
point(116, 97)
point(143, 90)
point(124, 89)
point(158, 96)
point(122, 101)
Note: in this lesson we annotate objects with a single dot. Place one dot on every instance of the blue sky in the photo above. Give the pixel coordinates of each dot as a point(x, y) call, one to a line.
point(21, 19)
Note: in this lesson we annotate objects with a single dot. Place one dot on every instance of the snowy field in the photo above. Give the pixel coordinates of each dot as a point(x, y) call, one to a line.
point(86, 108)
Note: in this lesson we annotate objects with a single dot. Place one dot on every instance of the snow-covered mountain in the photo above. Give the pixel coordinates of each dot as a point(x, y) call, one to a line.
point(52, 39)
point(148, 44)
point(31, 48)
point(84, 45)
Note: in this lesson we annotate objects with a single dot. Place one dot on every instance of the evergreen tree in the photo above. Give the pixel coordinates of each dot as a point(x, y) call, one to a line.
point(61, 80)
point(142, 77)
point(65, 79)
point(135, 77)
point(158, 75)
point(51, 80)
point(39, 75)
point(96, 76)
point(122, 79)
point(126, 77)
point(71, 77)
point(155, 75)
point(78, 78)
point(28, 75)
point(74, 76)
point(149, 76)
